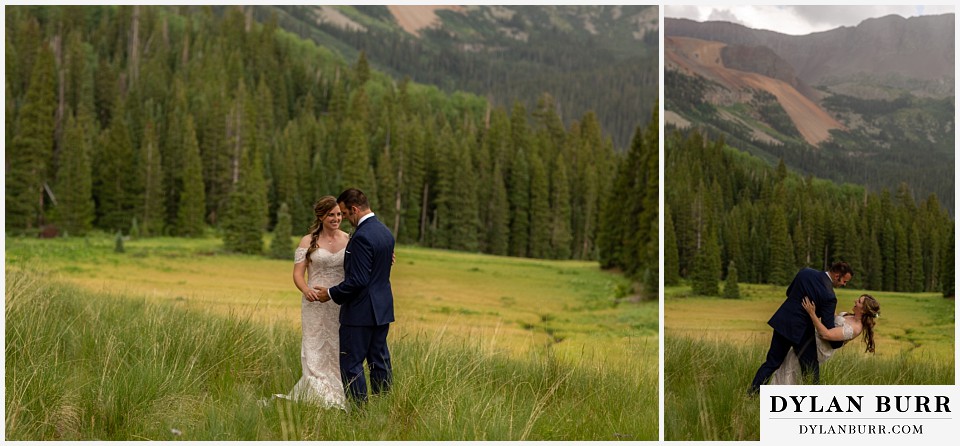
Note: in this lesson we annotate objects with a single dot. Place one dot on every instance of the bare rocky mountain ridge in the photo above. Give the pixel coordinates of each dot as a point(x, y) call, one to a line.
point(914, 54)
point(877, 59)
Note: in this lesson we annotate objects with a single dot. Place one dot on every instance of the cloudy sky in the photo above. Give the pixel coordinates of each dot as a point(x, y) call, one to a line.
point(798, 20)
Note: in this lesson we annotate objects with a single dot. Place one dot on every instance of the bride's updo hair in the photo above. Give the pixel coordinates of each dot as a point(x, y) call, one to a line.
point(871, 310)
point(320, 210)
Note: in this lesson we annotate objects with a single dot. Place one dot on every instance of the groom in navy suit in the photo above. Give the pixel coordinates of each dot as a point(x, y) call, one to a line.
point(792, 326)
point(365, 299)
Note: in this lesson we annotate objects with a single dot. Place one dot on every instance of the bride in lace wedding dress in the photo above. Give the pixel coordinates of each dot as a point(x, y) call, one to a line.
point(320, 255)
point(847, 326)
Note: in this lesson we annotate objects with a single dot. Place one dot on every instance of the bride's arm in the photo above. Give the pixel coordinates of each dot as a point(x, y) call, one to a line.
point(300, 269)
point(827, 334)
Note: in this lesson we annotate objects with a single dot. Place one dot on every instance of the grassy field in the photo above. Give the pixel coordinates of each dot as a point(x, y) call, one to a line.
point(176, 340)
point(713, 347)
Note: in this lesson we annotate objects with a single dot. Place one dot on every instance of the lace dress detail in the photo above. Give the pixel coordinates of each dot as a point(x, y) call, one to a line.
point(320, 383)
point(789, 371)
point(824, 349)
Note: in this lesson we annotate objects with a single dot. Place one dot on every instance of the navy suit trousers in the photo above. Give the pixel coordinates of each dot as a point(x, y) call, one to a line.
point(365, 342)
point(779, 347)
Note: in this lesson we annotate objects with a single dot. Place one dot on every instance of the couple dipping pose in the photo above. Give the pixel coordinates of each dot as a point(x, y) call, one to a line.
point(805, 330)
point(347, 303)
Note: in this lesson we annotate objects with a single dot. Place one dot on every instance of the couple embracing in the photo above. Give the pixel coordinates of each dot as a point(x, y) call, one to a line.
point(347, 303)
point(806, 331)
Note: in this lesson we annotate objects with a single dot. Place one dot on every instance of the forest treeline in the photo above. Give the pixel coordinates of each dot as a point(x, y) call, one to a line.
point(727, 209)
point(175, 120)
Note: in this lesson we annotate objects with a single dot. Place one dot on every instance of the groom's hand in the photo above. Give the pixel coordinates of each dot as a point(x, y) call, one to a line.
point(322, 294)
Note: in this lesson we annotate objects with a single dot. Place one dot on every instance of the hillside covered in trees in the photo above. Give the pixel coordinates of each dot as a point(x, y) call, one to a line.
point(727, 208)
point(600, 58)
point(176, 120)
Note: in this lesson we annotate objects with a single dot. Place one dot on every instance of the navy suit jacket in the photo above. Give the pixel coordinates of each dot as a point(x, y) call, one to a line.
point(791, 320)
point(364, 296)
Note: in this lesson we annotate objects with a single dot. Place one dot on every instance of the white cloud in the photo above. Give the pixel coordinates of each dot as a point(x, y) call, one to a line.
point(798, 20)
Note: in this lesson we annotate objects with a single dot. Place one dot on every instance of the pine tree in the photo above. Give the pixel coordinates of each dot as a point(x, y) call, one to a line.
point(280, 246)
point(114, 173)
point(172, 152)
point(590, 197)
point(560, 237)
point(731, 290)
point(246, 214)
point(781, 248)
point(931, 243)
point(356, 171)
point(902, 260)
point(610, 230)
point(151, 209)
point(190, 221)
point(706, 275)
point(888, 251)
point(387, 189)
point(284, 169)
point(463, 219)
point(498, 236)
point(549, 122)
point(648, 242)
point(243, 221)
point(75, 209)
point(539, 209)
point(915, 251)
point(873, 263)
point(632, 190)
point(671, 261)
point(519, 187)
point(362, 69)
point(948, 274)
point(32, 147)
point(586, 219)
point(411, 140)
point(215, 154)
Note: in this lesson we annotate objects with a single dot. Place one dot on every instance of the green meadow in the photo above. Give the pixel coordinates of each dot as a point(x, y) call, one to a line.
point(713, 347)
point(174, 339)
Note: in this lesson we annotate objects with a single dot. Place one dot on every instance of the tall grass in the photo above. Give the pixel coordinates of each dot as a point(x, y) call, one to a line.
point(706, 383)
point(85, 366)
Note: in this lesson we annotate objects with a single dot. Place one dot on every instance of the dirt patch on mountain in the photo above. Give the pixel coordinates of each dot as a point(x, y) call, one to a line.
point(330, 14)
point(704, 58)
point(413, 18)
point(670, 117)
point(813, 122)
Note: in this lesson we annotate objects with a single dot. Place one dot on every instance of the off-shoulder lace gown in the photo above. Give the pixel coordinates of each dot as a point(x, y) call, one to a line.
point(320, 321)
point(789, 371)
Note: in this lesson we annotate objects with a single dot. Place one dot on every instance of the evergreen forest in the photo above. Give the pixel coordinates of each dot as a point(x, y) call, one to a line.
point(728, 212)
point(186, 121)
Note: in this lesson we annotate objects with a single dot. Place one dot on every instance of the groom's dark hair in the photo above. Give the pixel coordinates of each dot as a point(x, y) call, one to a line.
point(354, 197)
point(843, 268)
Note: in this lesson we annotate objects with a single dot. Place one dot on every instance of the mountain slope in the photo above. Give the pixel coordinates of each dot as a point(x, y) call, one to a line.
point(871, 104)
point(916, 54)
point(709, 60)
point(599, 58)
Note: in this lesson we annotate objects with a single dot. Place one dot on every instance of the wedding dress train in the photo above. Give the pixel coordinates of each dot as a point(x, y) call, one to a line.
point(320, 383)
